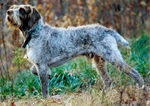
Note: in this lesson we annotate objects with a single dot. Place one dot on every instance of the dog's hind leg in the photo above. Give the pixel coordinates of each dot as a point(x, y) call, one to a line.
point(114, 57)
point(109, 52)
point(124, 67)
point(100, 65)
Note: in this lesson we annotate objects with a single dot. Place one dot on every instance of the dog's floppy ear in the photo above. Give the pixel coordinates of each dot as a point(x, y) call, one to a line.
point(33, 16)
point(28, 9)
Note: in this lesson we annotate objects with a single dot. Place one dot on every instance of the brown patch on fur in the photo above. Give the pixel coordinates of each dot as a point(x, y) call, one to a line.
point(28, 16)
point(33, 17)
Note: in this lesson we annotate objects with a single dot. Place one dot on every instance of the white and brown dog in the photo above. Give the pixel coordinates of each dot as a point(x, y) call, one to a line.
point(49, 46)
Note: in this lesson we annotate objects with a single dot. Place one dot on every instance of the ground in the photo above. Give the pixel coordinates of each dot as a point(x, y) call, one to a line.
point(127, 96)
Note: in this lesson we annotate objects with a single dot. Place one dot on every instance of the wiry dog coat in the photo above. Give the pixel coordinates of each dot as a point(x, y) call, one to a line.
point(49, 46)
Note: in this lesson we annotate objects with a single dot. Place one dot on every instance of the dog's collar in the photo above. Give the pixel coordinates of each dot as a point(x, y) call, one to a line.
point(30, 32)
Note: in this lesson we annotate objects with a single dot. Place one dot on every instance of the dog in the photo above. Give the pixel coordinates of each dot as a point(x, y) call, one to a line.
point(48, 46)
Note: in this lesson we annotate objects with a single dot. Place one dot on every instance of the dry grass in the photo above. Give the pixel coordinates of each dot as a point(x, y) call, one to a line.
point(93, 97)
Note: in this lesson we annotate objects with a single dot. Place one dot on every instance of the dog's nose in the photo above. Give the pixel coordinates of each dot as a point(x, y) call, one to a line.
point(9, 12)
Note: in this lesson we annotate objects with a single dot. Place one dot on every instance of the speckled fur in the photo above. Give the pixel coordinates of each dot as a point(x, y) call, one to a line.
point(52, 46)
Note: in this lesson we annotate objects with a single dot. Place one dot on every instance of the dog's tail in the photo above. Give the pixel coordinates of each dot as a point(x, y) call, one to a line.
point(120, 39)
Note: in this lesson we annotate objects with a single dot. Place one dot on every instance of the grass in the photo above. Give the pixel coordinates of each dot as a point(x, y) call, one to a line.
point(70, 77)
point(79, 77)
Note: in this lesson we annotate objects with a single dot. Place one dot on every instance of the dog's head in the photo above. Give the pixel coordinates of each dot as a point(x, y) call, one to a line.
point(22, 16)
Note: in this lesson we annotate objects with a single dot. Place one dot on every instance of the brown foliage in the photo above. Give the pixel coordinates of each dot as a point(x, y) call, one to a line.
point(127, 17)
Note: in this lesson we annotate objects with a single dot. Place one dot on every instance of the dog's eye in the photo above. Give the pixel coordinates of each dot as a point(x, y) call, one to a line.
point(21, 10)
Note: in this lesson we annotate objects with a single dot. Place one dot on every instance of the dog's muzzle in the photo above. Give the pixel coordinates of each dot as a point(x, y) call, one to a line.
point(9, 12)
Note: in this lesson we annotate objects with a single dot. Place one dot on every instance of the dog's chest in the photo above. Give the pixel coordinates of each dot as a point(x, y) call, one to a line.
point(31, 55)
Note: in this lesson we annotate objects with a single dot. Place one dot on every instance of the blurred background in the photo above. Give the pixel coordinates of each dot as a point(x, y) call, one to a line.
point(131, 18)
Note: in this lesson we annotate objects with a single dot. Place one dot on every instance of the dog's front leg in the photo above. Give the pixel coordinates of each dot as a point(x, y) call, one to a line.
point(35, 72)
point(43, 75)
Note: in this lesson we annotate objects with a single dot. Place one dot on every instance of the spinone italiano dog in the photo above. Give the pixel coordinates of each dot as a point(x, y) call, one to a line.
point(48, 46)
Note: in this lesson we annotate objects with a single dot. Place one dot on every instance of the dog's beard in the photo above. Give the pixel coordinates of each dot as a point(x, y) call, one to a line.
point(13, 20)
